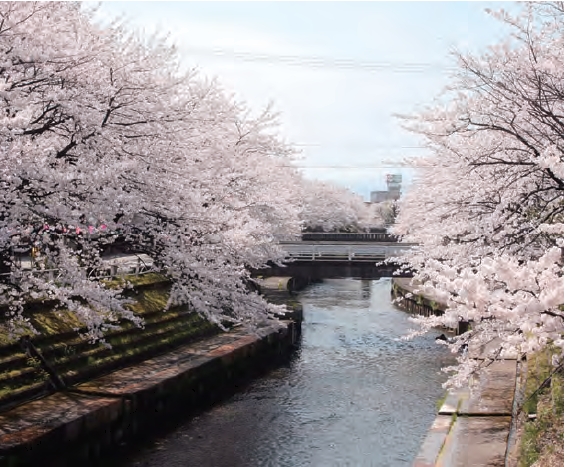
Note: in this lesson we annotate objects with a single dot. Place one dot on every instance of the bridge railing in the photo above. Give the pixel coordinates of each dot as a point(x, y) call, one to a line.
point(288, 238)
point(111, 267)
point(349, 237)
point(300, 251)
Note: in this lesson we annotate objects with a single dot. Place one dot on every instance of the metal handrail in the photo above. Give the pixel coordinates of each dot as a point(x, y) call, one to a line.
point(340, 252)
point(105, 272)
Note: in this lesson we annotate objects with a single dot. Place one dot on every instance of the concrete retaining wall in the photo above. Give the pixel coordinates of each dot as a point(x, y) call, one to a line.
point(77, 426)
point(418, 303)
point(415, 303)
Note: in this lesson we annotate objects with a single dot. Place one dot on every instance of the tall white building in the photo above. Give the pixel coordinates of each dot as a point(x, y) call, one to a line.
point(393, 189)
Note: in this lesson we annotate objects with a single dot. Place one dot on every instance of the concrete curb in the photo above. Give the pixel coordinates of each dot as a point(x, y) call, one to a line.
point(434, 441)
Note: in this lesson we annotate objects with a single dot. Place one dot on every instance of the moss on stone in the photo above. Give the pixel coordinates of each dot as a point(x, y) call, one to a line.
point(60, 343)
point(150, 300)
point(52, 322)
point(136, 280)
point(440, 402)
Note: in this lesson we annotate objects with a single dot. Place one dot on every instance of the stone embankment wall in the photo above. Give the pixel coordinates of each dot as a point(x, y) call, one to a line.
point(407, 298)
point(79, 422)
point(58, 357)
point(414, 303)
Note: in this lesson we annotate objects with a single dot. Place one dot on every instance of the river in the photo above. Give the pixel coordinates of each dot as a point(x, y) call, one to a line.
point(352, 395)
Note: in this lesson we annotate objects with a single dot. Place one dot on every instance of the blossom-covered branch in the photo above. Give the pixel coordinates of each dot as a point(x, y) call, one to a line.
point(488, 210)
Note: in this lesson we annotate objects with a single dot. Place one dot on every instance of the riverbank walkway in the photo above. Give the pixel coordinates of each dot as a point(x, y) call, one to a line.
point(473, 427)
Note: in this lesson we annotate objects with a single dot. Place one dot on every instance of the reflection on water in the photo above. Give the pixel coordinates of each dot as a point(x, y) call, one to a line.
point(354, 395)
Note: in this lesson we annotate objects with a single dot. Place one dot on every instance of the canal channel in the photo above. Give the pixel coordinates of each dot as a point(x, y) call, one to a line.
point(354, 394)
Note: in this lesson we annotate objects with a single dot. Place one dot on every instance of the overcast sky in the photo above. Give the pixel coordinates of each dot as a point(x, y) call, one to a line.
point(337, 71)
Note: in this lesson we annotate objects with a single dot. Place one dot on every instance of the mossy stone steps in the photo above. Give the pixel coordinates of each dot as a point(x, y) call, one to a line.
point(16, 363)
point(73, 344)
point(14, 394)
point(87, 361)
point(76, 360)
point(21, 378)
point(16, 359)
point(134, 354)
point(20, 375)
point(121, 344)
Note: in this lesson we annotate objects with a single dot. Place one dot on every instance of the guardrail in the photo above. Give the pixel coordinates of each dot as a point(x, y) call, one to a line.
point(112, 267)
point(302, 252)
point(349, 237)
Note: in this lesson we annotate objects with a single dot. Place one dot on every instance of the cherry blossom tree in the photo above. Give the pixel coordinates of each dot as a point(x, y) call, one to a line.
point(387, 211)
point(100, 129)
point(487, 208)
point(329, 207)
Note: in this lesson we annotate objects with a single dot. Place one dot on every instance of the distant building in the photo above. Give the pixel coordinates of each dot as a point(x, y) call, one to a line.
point(393, 189)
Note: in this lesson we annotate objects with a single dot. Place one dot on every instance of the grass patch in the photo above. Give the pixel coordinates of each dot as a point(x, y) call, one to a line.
point(542, 439)
point(440, 402)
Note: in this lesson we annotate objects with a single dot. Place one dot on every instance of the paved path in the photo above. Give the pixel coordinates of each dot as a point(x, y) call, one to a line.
point(472, 427)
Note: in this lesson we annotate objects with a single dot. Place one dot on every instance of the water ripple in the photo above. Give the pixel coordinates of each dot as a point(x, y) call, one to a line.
point(354, 395)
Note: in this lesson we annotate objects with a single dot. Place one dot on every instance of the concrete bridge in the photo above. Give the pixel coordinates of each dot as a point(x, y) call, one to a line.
point(342, 251)
point(307, 261)
point(312, 261)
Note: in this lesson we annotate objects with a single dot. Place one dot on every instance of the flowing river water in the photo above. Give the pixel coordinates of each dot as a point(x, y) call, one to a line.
point(352, 395)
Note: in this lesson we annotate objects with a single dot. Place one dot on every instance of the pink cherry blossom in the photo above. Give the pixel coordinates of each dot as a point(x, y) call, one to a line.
point(487, 208)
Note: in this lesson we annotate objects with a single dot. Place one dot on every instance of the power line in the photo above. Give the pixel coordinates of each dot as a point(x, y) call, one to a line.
point(356, 167)
point(324, 62)
point(357, 145)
